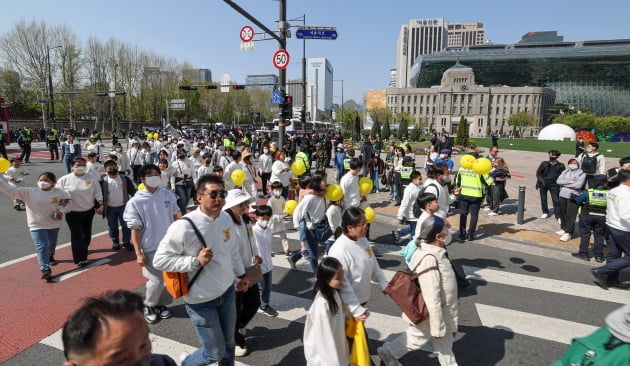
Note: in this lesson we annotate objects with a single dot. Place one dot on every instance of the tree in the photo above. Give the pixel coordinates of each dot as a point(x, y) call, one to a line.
point(522, 120)
point(462, 132)
point(579, 121)
point(376, 128)
point(403, 124)
point(415, 133)
point(385, 130)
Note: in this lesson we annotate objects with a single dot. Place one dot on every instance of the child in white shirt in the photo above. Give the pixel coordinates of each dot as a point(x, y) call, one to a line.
point(262, 233)
point(333, 214)
point(93, 166)
point(15, 175)
point(276, 202)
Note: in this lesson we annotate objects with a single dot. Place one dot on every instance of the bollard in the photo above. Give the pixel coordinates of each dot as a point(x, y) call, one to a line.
point(521, 205)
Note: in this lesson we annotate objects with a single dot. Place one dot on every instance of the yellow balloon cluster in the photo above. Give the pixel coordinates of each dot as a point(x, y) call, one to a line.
point(370, 214)
point(298, 168)
point(238, 177)
point(365, 185)
point(4, 165)
point(467, 161)
point(334, 192)
point(290, 206)
point(482, 166)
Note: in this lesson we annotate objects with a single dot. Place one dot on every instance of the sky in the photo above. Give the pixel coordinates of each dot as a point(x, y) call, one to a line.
point(205, 33)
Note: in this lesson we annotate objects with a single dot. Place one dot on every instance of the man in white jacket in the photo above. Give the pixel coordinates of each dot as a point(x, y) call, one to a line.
point(210, 303)
point(148, 214)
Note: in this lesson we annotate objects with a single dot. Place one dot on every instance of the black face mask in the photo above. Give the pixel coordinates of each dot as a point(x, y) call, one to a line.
point(181, 157)
point(553, 158)
point(112, 172)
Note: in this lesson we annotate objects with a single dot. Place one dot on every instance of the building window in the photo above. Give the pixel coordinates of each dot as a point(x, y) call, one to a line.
point(512, 99)
point(454, 98)
point(433, 110)
point(470, 98)
point(480, 110)
point(421, 99)
point(519, 99)
point(469, 112)
point(496, 122)
point(526, 99)
point(415, 99)
point(454, 110)
point(497, 110)
point(481, 98)
point(402, 99)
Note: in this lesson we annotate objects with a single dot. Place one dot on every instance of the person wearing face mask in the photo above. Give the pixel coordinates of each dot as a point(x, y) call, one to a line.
point(109, 330)
point(592, 163)
point(184, 170)
point(70, 149)
point(116, 192)
point(204, 169)
point(263, 233)
point(546, 176)
point(84, 190)
point(94, 146)
point(276, 202)
point(135, 160)
point(437, 183)
point(148, 214)
point(123, 160)
point(445, 158)
point(45, 206)
point(265, 161)
point(571, 182)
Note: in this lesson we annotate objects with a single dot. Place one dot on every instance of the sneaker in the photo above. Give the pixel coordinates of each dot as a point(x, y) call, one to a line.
point(241, 331)
point(600, 279)
point(462, 236)
point(581, 256)
point(493, 213)
point(396, 235)
point(163, 312)
point(565, 237)
point(599, 259)
point(292, 263)
point(52, 261)
point(46, 274)
point(116, 246)
point(268, 310)
point(240, 351)
point(183, 357)
point(544, 216)
point(559, 221)
point(561, 232)
point(128, 246)
point(487, 208)
point(82, 263)
point(471, 236)
point(387, 358)
point(150, 315)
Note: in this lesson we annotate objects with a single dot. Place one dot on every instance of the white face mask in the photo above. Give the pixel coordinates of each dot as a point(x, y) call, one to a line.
point(43, 184)
point(446, 178)
point(152, 182)
point(573, 167)
point(277, 193)
point(80, 169)
point(266, 151)
point(263, 223)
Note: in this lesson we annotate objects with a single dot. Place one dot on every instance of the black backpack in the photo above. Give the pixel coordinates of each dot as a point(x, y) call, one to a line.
point(589, 164)
point(417, 210)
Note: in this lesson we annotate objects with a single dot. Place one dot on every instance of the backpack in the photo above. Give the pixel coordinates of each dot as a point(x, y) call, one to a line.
point(589, 164)
point(598, 348)
point(417, 210)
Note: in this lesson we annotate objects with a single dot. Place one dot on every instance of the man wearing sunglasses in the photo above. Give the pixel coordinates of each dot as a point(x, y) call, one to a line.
point(210, 301)
point(148, 214)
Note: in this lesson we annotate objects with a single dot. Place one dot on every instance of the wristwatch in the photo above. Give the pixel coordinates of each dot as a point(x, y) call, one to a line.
point(196, 263)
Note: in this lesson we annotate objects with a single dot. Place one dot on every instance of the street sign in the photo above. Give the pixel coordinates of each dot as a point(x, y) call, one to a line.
point(43, 101)
point(316, 33)
point(276, 98)
point(247, 33)
point(178, 104)
point(247, 46)
point(281, 59)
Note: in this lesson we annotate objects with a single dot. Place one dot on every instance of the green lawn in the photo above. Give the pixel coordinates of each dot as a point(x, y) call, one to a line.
point(617, 149)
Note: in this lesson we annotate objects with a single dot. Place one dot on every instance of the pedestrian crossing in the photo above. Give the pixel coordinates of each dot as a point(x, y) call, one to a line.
point(384, 321)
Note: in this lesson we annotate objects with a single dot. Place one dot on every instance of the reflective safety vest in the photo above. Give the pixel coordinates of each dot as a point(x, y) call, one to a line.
point(55, 132)
point(346, 163)
point(302, 156)
point(405, 172)
point(246, 141)
point(596, 204)
point(472, 182)
point(228, 143)
point(52, 139)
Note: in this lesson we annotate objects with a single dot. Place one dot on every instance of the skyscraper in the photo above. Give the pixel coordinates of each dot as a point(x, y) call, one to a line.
point(465, 34)
point(319, 89)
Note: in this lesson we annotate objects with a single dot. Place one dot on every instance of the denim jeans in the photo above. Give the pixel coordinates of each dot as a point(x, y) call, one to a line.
point(45, 241)
point(183, 195)
point(311, 248)
point(376, 181)
point(114, 216)
point(264, 287)
point(214, 322)
point(410, 229)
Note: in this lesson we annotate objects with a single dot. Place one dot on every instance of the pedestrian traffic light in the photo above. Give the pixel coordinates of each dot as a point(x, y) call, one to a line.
point(187, 87)
point(210, 86)
point(238, 87)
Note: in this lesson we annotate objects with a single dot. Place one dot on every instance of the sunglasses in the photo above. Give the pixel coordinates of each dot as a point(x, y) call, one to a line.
point(214, 194)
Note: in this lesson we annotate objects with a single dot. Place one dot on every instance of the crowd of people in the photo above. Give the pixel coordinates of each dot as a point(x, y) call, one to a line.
point(170, 196)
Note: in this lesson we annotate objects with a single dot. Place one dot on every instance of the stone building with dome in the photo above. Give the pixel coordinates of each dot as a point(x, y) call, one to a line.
point(487, 108)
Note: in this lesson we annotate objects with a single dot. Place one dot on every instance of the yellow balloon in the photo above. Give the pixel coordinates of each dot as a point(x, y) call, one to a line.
point(238, 177)
point(482, 166)
point(4, 165)
point(298, 168)
point(370, 214)
point(290, 206)
point(467, 161)
point(365, 185)
point(334, 192)
point(140, 186)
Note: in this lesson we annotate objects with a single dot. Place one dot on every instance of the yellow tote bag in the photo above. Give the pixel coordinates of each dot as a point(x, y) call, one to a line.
point(360, 355)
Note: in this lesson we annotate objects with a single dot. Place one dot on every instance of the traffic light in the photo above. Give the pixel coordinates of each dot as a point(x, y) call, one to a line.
point(238, 87)
point(287, 107)
point(210, 86)
point(187, 87)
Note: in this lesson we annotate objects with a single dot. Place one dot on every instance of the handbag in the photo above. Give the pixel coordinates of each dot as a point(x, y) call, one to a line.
point(384, 179)
point(405, 290)
point(253, 272)
point(187, 180)
point(177, 283)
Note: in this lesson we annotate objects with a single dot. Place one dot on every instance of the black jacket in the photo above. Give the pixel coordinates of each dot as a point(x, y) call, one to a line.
point(542, 170)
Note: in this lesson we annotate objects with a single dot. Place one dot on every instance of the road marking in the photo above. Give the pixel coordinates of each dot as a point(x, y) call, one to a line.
point(80, 270)
point(26, 257)
point(539, 326)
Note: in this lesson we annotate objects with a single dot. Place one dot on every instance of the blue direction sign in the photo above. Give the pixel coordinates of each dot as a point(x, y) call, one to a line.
point(276, 98)
point(316, 33)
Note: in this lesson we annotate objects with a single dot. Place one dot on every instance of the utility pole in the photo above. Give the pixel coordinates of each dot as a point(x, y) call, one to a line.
point(51, 98)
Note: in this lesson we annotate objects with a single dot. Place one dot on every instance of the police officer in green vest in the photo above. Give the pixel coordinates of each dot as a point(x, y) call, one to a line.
point(24, 141)
point(52, 142)
point(3, 149)
point(592, 211)
point(346, 161)
point(470, 197)
point(408, 166)
point(301, 156)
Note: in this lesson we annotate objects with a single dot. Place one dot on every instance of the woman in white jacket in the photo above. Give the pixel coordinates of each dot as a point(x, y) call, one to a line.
point(439, 289)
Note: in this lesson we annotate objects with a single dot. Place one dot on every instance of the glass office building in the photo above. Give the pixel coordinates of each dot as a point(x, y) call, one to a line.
point(590, 74)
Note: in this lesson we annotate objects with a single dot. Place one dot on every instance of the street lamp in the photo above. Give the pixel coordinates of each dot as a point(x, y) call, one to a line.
point(50, 85)
point(341, 108)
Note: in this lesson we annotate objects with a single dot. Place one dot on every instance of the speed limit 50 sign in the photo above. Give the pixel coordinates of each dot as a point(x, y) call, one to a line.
point(281, 59)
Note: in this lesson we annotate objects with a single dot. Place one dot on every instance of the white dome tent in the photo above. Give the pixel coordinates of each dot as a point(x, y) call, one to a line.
point(557, 132)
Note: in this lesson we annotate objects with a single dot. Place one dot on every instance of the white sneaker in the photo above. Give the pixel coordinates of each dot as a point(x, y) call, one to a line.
point(565, 237)
point(559, 222)
point(492, 213)
point(487, 208)
point(561, 232)
point(544, 216)
point(387, 358)
point(240, 351)
point(183, 356)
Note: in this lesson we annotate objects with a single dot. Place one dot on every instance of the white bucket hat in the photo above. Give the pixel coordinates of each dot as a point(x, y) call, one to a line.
point(235, 197)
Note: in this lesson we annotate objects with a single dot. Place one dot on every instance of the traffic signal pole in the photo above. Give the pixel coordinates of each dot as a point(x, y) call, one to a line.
point(283, 26)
